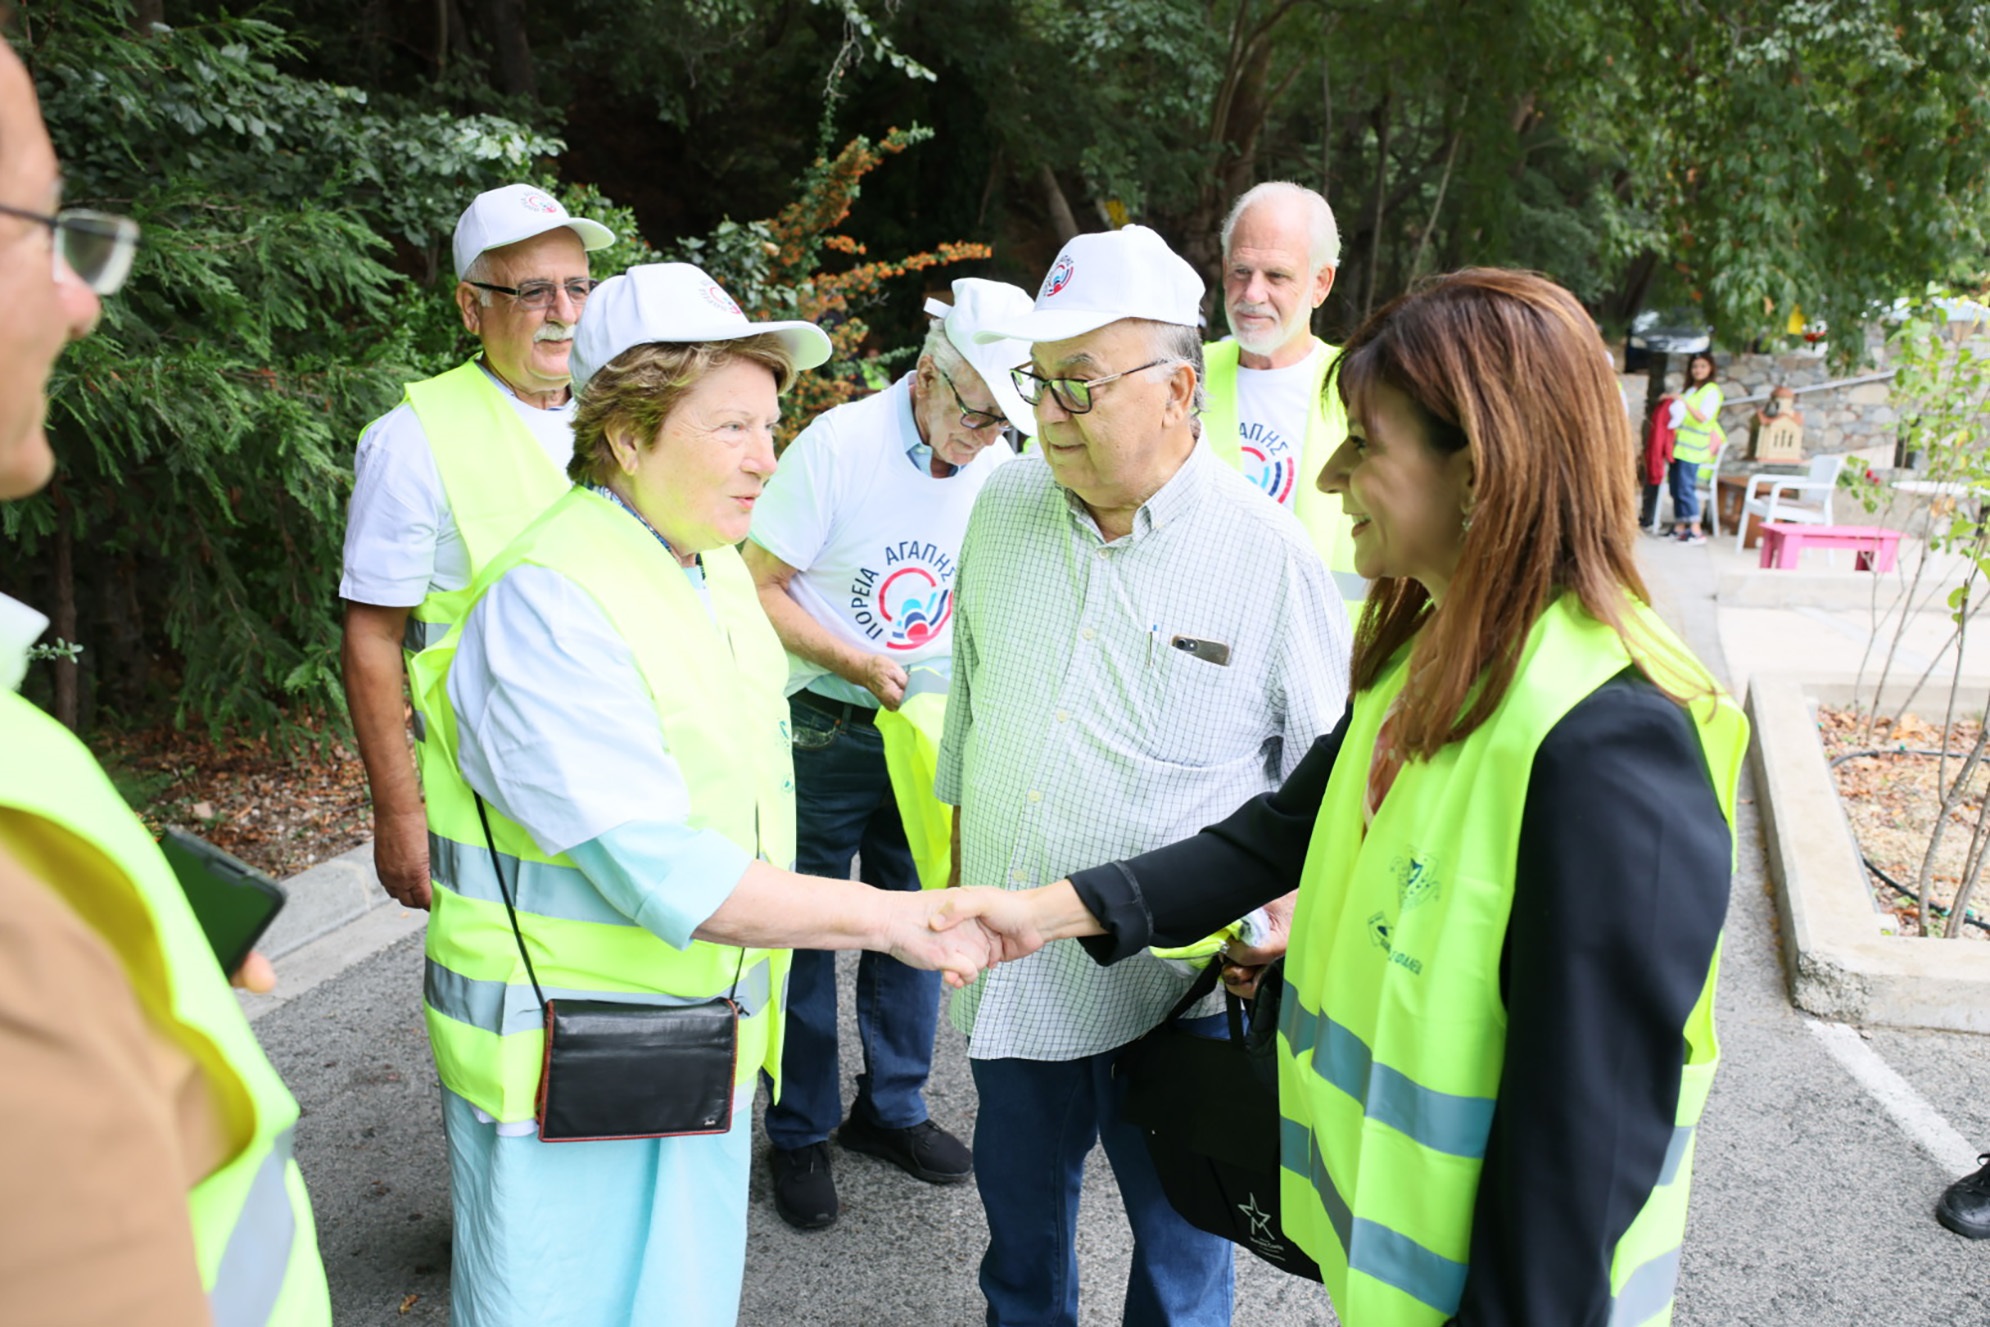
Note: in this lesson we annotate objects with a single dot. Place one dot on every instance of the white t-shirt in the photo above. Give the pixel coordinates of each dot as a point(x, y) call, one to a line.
point(1273, 407)
point(872, 536)
point(401, 540)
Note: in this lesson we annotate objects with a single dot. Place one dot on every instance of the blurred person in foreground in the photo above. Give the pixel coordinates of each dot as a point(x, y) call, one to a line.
point(448, 476)
point(611, 705)
point(147, 1140)
point(1141, 641)
point(854, 547)
point(1513, 854)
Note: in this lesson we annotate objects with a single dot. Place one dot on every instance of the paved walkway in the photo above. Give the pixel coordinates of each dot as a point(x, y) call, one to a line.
point(1820, 1156)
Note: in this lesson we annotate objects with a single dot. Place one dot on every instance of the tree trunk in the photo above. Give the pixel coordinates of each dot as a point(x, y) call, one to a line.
point(66, 708)
point(1383, 120)
point(145, 13)
point(503, 25)
point(1061, 218)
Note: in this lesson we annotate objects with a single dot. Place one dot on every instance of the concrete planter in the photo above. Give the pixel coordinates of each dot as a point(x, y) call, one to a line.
point(1837, 962)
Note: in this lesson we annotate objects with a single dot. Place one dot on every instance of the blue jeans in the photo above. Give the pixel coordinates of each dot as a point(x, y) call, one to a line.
point(844, 805)
point(1685, 497)
point(1036, 1122)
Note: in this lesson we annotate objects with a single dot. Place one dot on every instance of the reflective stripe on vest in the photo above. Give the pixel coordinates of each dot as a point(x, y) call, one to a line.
point(1326, 425)
point(250, 1277)
point(253, 1236)
point(1392, 1028)
point(717, 691)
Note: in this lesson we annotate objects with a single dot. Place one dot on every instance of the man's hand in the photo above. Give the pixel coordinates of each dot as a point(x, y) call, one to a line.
point(884, 679)
point(400, 857)
point(1019, 921)
point(1244, 964)
point(916, 938)
point(255, 975)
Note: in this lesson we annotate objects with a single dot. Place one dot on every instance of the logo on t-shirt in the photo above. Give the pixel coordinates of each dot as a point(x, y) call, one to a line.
point(1268, 461)
point(908, 604)
point(1060, 275)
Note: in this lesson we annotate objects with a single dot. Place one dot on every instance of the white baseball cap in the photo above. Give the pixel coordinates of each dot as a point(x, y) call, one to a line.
point(977, 303)
point(676, 303)
point(1103, 277)
point(498, 217)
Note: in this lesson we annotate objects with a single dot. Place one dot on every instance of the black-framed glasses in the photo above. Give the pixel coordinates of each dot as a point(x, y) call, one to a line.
point(974, 421)
point(97, 246)
point(1073, 394)
point(539, 295)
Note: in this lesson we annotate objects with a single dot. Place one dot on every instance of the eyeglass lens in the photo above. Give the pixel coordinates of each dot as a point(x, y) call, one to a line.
point(539, 294)
point(1074, 395)
point(97, 247)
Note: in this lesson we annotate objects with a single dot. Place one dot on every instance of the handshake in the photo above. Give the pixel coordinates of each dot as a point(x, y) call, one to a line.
point(963, 932)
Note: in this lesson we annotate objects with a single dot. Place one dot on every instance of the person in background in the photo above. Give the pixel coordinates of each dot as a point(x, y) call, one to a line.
point(1267, 414)
point(853, 550)
point(1513, 853)
point(1696, 440)
point(609, 736)
point(145, 1139)
point(447, 477)
point(1140, 642)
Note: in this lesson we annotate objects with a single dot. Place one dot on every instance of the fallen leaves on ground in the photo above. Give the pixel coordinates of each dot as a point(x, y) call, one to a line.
point(277, 812)
point(1892, 801)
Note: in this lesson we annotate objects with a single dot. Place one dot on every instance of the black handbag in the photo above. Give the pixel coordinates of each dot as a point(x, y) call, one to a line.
point(1209, 1110)
point(616, 1071)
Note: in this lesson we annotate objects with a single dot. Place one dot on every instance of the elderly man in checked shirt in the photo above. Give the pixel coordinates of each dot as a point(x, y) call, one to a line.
point(1143, 641)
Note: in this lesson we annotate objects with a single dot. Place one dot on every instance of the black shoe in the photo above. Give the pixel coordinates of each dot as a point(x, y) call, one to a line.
point(925, 1150)
point(804, 1190)
point(1965, 1205)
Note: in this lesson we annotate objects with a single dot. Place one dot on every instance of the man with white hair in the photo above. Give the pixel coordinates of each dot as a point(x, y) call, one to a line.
point(1141, 644)
point(853, 549)
point(1268, 415)
point(446, 478)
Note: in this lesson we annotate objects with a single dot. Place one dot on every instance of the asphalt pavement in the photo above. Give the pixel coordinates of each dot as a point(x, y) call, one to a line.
point(1820, 1156)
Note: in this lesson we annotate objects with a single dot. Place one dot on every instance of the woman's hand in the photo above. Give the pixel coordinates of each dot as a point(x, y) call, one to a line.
point(1019, 921)
point(916, 938)
point(1244, 964)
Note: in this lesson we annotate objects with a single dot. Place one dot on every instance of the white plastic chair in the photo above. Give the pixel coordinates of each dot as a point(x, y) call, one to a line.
point(1769, 496)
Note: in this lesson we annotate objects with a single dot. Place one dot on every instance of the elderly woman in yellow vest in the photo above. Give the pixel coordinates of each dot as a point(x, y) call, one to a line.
point(611, 704)
point(1513, 854)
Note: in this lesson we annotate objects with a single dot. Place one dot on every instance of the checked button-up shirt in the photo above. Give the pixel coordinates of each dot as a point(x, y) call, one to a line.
point(1078, 732)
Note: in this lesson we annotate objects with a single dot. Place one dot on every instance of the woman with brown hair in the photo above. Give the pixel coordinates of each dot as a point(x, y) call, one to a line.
point(1513, 853)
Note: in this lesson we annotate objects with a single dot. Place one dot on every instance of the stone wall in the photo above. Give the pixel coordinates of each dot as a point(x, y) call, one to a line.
point(1844, 419)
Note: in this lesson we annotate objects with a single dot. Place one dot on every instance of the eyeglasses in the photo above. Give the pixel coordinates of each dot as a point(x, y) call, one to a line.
point(974, 421)
point(538, 296)
point(97, 246)
point(1073, 394)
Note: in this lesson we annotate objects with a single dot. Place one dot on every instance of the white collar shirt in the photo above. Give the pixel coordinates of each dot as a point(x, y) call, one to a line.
point(1078, 734)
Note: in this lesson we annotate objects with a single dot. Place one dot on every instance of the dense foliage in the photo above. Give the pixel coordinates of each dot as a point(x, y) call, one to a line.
point(298, 166)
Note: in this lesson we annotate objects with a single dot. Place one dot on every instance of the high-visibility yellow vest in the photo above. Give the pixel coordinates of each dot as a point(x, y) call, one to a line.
point(1326, 524)
point(1695, 441)
point(911, 735)
point(1392, 1032)
point(252, 1230)
point(495, 473)
point(717, 690)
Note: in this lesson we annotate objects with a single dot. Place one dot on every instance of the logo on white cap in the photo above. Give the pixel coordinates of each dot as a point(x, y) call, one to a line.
point(540, 203)
point(718, 299)
point(1060, 276)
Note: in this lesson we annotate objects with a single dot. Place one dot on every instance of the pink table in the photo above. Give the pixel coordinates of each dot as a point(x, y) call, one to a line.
point(1784, 541)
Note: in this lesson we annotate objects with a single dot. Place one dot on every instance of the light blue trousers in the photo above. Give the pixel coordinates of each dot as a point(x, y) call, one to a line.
point(648, 1231)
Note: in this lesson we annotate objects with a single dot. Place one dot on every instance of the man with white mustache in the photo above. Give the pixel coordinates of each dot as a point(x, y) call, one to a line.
point(446, 478)
point(1268, 414)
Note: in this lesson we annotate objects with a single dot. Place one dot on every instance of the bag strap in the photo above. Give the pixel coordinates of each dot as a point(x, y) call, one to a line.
point(490, 845)
point(510, 911)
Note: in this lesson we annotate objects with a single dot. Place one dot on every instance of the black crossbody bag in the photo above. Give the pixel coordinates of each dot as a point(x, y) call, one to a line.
point(1209, 1110)
point(615, 1071)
